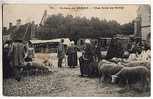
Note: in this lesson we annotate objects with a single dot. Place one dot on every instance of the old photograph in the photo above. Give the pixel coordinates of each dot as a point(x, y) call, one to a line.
point(76, 50)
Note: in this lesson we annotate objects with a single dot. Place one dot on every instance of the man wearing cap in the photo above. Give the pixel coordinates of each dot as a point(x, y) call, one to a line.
point(60, 53)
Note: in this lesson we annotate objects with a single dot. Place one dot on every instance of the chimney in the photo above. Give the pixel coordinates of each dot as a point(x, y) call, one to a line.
point(18, 23)
point(10, 25)
point(33, 22)
point(32, 29)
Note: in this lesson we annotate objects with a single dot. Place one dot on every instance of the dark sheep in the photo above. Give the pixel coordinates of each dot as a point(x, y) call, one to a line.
point(107, 70)
point(132, 75)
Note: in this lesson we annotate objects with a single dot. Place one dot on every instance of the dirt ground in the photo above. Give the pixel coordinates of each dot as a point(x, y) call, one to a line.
point(64, 82)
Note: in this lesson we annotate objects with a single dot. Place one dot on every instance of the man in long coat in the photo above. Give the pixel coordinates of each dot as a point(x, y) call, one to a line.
point(7, 68)
point(18, 55)
point(60, 53)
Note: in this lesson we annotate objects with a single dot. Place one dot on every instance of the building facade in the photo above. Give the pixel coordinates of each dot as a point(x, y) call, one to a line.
point(143, 23)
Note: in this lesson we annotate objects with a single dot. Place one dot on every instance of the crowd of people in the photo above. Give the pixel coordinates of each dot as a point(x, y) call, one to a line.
point(90, 54)
point(16, 53)
point(71, 52)
point(13, 58)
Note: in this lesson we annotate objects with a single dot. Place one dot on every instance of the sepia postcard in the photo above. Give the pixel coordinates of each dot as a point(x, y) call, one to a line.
point(76, 50)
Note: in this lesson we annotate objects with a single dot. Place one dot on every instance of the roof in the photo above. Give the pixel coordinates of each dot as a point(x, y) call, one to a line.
point(119, 37)
point(66, 41)
point(105, 38)
point(7, 37)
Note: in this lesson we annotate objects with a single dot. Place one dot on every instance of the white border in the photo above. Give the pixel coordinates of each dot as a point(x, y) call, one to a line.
point(80, 1)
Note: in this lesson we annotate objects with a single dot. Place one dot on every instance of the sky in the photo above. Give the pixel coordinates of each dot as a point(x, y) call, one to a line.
point(30, 12)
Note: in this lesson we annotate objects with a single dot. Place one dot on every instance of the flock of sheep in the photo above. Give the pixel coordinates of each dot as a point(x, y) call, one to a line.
point(136, 71)
point(118, 71)
point(121, 74)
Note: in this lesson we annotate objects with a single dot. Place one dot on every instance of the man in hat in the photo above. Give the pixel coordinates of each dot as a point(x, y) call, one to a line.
point(18, 55)
point(60, 53)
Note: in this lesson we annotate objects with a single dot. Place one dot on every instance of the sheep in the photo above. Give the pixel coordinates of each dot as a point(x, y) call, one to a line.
point(36, 66)
point(138, 63)
point(106, 70)
point(40, 65)
point(105, 62)
point(131, 75)
point(49, 63)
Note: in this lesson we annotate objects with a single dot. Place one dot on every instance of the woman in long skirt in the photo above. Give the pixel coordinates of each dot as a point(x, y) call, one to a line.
point(72, 55)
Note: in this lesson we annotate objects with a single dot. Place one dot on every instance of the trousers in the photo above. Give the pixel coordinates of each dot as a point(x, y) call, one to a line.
point(60, 60)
